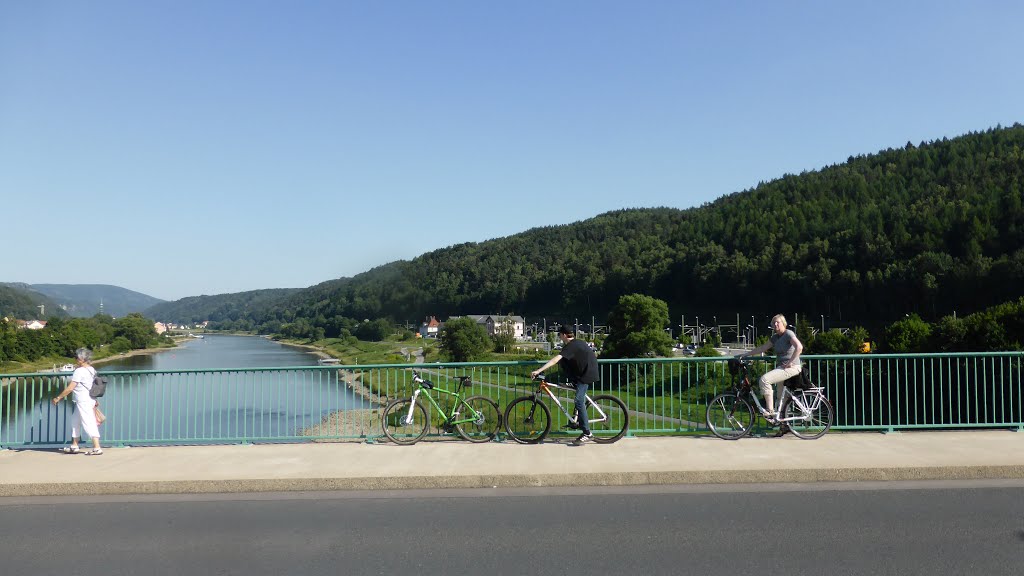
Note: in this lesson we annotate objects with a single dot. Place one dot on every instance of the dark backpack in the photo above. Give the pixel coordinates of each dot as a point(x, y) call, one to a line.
point(99, 386)
point(801, 381)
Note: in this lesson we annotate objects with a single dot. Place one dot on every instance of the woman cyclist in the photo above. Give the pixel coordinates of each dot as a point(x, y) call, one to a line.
point(787, 348)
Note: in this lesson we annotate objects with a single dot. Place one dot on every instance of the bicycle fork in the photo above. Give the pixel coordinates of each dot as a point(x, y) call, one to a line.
point(407, 419)
point(533, 409)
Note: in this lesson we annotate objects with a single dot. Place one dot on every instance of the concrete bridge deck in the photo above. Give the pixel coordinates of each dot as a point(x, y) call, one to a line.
point(451, 463)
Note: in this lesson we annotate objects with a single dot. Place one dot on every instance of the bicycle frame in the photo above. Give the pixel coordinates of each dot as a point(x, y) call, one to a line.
point(449, 419)
point(799, 399)
point(546, 387)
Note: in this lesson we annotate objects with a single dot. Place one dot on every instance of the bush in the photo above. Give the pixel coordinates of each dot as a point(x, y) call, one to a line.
point(120, 345)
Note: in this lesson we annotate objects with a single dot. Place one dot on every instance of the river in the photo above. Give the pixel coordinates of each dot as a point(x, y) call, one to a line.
point(154, 397)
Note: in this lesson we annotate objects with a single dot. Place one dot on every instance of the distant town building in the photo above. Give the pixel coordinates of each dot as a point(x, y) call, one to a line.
point(160, 327)
point(495, 322)
point(31, 324)
point(430, 328)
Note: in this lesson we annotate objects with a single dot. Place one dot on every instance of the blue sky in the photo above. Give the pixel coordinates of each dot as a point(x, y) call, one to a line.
point(238, 145)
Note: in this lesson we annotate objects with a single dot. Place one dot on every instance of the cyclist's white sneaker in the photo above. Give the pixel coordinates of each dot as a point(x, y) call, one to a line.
point(583, 439)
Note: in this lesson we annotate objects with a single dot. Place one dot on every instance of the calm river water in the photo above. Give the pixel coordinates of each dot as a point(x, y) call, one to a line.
point(159, 402)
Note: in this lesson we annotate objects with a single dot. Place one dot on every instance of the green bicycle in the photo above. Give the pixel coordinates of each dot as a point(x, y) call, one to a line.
point(475, 418)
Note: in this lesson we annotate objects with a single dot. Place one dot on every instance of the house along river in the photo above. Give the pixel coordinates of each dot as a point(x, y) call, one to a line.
point(153, 397)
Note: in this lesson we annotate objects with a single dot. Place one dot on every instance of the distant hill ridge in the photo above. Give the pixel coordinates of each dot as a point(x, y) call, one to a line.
point(19, 301)
point(83, 300)
point(930, 229)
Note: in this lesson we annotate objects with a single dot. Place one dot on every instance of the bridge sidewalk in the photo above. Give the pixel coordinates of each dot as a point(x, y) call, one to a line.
point(457, 464)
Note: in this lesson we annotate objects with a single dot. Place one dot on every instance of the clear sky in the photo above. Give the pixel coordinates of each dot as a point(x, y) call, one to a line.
point(237, 145)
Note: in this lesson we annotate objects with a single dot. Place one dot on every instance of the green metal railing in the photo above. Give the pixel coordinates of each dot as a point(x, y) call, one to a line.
point(869, 392)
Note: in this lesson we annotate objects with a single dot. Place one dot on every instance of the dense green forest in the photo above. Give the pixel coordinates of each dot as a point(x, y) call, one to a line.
point(928, 230)
point(240, 308)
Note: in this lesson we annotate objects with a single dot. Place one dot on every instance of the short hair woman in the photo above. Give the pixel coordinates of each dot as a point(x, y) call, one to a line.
point(84, 418)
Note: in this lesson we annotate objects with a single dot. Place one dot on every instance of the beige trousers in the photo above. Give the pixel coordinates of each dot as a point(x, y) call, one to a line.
point(776, 376)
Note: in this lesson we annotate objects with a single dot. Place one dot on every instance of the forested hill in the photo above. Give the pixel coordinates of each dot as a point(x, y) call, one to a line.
point(84, 300)
point(928, 229)
point(232, 307)
point(20, 302)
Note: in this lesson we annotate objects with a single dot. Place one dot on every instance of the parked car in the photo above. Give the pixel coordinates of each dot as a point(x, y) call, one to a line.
point(686, 349)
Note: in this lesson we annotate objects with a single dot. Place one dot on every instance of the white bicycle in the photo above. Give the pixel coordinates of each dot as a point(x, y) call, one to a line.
point(806, 412)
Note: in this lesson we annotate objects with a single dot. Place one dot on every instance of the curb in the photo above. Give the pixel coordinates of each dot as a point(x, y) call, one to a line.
point(516, 481)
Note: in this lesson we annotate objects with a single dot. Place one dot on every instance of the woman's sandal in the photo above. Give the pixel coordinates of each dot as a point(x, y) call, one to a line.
point(71, 450)
point(94, 452)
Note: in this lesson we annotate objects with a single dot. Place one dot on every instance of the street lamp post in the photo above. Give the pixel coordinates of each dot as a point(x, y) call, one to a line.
point(822, 323)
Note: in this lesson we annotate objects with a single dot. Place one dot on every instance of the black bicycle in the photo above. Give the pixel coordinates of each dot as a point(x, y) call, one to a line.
point(804, 409)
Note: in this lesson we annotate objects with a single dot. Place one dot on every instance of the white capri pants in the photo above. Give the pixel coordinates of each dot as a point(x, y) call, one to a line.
point(84, 418)
point(777, 376)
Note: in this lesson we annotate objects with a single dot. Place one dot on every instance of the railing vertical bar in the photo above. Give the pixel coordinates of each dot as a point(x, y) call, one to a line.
point(1017, 385)
point(977, 417)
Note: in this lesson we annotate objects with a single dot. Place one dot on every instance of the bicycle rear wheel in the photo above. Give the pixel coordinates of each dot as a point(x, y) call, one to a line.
point(815, 425)
point(397, 424)
point(615, 422)
point(729, 417)
point(487, 419)
point(527, 420)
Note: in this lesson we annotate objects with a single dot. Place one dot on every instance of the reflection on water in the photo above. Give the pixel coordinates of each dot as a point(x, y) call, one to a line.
point(166, 404)
point(217, 352)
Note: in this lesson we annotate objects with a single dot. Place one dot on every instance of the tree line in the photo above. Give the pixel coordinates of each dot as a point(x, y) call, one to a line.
point(62, 336)
point(934, 230)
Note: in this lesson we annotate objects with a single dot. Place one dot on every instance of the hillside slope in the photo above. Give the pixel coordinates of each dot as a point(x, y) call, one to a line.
point(929, 229)
point(19, 301)
point(83, 300)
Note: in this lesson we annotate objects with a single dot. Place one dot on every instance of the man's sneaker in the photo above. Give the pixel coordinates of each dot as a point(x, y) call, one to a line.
point(583, 439)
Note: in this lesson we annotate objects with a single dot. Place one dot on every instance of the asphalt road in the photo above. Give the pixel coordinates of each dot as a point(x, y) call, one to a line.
point(854, 528)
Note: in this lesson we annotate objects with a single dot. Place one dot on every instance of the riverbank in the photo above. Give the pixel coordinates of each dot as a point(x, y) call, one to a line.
point(312, 349)
point(51, 365)
point(139, 352)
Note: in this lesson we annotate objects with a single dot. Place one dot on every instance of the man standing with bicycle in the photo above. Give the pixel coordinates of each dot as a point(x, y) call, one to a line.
point(579, 363)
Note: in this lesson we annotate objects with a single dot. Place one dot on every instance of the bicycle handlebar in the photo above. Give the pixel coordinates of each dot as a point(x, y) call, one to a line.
point(463, 380)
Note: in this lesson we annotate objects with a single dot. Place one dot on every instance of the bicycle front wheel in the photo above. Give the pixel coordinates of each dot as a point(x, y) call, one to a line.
point(611, 422)
point(404, 421)
point(485, 415)
point(527, 420)
point(729, 417)
point(811, 425)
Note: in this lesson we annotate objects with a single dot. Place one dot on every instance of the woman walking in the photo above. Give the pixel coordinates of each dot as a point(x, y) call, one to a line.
point(84, 418)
